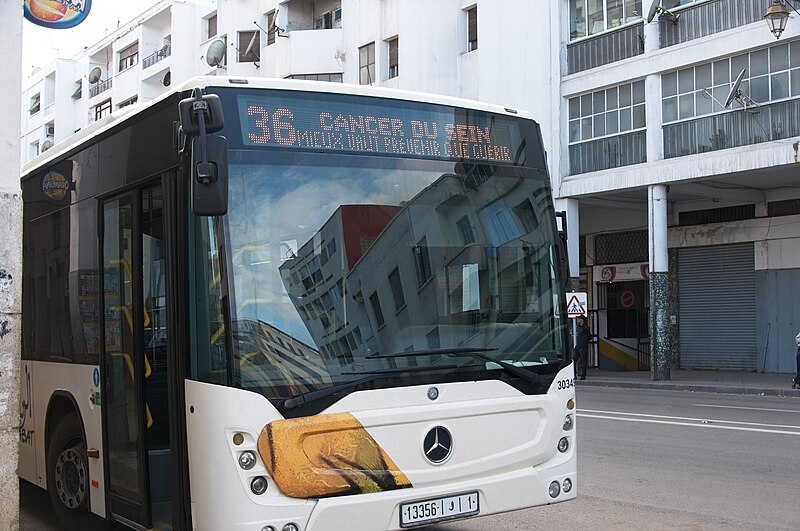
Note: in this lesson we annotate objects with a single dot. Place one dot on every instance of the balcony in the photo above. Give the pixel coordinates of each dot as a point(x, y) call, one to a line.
point(610, 152)
point(708, 18)
point(160, 54)
point(605, 48)
point(733, 129)
point(100, 87)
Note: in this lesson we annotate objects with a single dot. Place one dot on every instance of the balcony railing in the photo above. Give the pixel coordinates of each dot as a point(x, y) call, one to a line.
point(158, 55)
point(610, 152)
point(605, 48)
point(708, 18)
point(732, 129)
point(102, 86)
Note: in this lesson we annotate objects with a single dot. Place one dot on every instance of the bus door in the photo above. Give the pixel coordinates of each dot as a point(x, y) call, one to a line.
point(134, 359)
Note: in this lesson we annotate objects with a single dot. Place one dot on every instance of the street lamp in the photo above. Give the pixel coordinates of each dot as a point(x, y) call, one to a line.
point(777, 15)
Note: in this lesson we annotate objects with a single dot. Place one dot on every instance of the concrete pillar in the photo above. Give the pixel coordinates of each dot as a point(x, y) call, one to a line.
point(659, 282)
point(10, 262)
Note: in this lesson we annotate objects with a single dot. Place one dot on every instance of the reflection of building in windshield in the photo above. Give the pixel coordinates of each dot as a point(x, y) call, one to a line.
point(268, 357)
point(462, 264)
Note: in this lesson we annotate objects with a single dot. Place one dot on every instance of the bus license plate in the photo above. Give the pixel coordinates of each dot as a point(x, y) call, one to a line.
point(416, 513)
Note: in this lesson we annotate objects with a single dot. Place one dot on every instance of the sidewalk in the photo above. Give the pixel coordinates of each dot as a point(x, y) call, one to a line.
point(726, 382)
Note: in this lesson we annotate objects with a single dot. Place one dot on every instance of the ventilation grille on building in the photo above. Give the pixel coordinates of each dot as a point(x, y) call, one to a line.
point(621, 247)
point(788, 207)
point(717, 215)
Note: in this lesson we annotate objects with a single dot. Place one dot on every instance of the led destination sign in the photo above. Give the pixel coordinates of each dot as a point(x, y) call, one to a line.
point(390, 128)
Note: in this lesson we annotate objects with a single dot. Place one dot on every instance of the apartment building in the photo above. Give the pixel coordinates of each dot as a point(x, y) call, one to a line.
point(683, 208)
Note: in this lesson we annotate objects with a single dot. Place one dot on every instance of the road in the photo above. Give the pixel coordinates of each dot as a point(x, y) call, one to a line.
point(675, 460)
point(650, 459)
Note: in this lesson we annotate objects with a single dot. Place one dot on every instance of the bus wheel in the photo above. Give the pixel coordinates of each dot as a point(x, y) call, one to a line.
point(68, 476)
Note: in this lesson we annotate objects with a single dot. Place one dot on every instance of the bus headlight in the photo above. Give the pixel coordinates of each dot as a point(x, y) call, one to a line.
point(247, 460)
point(267, 528)
point(555, 489)
point(568, 423)
point(259, 485)
point(567, 485)
point(291, 527)
point(563, 445)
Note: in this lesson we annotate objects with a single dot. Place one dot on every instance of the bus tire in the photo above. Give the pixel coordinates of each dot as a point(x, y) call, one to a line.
point(68, 476)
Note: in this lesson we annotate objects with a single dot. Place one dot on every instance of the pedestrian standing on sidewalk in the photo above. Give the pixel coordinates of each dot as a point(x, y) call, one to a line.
point(796, 381)
point(581, 354)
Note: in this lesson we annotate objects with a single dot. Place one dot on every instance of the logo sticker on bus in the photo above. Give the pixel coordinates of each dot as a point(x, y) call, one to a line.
point(57, 14)
point(55, 186)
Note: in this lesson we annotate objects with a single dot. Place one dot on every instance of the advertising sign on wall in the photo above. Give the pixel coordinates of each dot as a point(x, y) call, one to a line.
point(57, 14)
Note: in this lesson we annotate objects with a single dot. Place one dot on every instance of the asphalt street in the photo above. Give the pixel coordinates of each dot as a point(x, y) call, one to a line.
point(675, 460)
point(652, 459)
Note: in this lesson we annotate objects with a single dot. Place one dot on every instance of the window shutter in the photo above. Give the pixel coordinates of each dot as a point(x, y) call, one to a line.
point(472, 25)
point(393, 53)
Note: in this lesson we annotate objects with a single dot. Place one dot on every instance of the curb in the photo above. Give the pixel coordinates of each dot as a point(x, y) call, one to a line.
point(696, 388)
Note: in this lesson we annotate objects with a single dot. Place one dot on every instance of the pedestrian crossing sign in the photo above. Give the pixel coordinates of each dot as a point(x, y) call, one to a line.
point(576, 304)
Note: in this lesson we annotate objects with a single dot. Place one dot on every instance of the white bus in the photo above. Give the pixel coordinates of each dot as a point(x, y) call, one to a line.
point(275, 305)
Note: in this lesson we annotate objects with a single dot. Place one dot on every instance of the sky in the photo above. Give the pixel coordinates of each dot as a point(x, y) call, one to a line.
point(41, 45)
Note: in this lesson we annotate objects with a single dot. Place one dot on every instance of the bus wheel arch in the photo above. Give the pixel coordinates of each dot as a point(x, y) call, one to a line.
point(67, 466)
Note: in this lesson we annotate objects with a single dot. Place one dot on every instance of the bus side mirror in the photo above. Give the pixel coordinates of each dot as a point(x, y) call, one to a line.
point(561, 225)
point(209, 186)
point(201, 115)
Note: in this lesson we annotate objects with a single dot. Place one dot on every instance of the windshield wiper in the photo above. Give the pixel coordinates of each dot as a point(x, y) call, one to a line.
point(473, 352)
point(317, 394)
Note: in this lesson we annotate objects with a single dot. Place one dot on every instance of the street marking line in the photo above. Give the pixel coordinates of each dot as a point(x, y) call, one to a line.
point(703, 421)
point(750, 408)
point(650, 421)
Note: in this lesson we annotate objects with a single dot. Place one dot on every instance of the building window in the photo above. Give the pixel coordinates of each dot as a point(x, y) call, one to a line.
point(397, 289)
point(590, 17)
point(36, 104)
point(465, 231)
point(311, 273)
point(249, 46)
point(129, 57)
point(78, 93)
point(102, 109)
point(499, 223)
point(332, 78)
point(366, 64)
point(771, 74)
point(211, 26)
point(527, 216)
point(607, 112)
point(433, 339)
point(125, 103)
point(33, 149)
point(472, 28)
point(422, 261)
point(393, 65)
point(271, 29)
point(375, 302)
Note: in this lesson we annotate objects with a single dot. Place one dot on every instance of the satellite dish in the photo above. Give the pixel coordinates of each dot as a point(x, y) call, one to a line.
point(735, 93)
point(656, 9)
point(252, 44)
point(215, 54)
point(94, 75)
point(167, 79)
point(47, 144)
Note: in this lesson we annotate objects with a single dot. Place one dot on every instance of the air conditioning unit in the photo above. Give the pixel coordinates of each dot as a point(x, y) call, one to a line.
point(50, 130)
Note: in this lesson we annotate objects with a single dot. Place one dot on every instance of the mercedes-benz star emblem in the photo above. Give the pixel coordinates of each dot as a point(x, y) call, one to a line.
point(438, 445)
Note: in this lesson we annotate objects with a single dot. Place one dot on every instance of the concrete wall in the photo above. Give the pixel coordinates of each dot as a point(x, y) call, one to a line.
point(10, 264)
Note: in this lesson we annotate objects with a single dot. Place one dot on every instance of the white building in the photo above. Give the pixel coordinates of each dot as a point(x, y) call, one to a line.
point(653, 170)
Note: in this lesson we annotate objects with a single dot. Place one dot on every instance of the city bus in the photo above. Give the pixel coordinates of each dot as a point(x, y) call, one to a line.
point(277, 305)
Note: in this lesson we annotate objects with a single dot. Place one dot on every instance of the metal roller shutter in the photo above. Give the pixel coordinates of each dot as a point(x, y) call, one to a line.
point(717, 298)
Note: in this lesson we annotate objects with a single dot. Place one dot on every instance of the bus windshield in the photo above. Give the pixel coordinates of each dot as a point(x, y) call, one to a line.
point(332, 269)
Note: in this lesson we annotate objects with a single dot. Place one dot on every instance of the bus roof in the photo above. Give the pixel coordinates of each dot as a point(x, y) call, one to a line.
point(120, 116)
